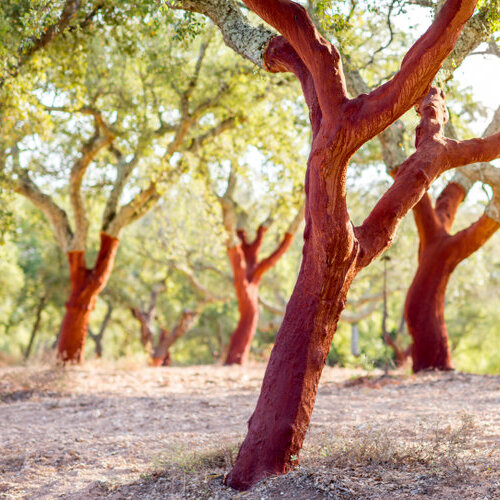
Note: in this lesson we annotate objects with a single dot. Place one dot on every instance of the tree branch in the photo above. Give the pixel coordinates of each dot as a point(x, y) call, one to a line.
point(478, 30)
point(228, 207)
point(356, 317)
point(89, 151)
point(435, 154)
point(374, 112)
point(447, 204)
point(246, 40)
point(320, 56)
point(471, 239)
point(197, 142)
point(202, 290)
point(68, 13)
point(57, 217)
point(425, 219)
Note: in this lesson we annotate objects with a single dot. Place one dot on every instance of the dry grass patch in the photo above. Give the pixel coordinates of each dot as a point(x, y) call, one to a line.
point(367, 463)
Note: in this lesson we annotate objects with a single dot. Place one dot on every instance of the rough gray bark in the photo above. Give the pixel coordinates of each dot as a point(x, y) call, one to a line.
point(90, 150)
point(57, 217)
point(238, 33)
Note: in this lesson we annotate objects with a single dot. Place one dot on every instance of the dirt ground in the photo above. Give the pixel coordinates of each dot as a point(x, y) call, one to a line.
point(124, 432)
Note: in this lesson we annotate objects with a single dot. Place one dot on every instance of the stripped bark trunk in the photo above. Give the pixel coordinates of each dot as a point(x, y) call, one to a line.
point(439, 254)
point(241, 338)
point(86, 284)
point(247, 273)
point(333, 251)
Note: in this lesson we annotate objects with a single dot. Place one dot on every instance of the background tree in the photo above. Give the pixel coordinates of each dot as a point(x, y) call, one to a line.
point(440, 253)
point(144, 134)
point(247, 269)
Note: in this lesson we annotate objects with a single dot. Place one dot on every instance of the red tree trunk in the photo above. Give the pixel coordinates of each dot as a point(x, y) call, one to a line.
point(424, 308)
point(334, 251)
point(278, 425)
point(239, 347)
point(439, 254)
point(86, 284)
point(248, 272)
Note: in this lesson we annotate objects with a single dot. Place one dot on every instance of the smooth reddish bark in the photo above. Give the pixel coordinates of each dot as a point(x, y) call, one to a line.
point(334, 251)
point(439, 254)
point(247, 274)
point(86, 284)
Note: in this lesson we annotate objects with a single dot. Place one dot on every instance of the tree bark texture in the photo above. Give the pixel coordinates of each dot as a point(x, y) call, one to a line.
point(86, 284)
point(439, 254)
point(334, 251)
point(247, 274)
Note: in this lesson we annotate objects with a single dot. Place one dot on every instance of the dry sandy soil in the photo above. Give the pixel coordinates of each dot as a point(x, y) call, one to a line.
point(143, 433)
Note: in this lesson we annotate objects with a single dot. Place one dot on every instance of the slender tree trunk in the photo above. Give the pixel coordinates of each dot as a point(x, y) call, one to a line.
point(97, 337)
point(162, 357)
point(355, 351)
point(145, 319)
point(36, 325)
point(247, 273)
point(86, 284)
point(241, 338)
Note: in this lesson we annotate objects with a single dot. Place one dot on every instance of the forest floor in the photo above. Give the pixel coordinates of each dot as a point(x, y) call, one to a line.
point(124, 432)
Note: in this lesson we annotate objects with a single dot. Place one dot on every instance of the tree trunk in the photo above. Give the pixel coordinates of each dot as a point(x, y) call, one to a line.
point(279, 423)
point(424, 310)
point(439, 255)
point(247, 274)
point(241, 338)
point(74, 330)
point(36, 325)
point(355, 351)
point(145, 319)
point(161, 355)
point(86, 284)
point(97, 337)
